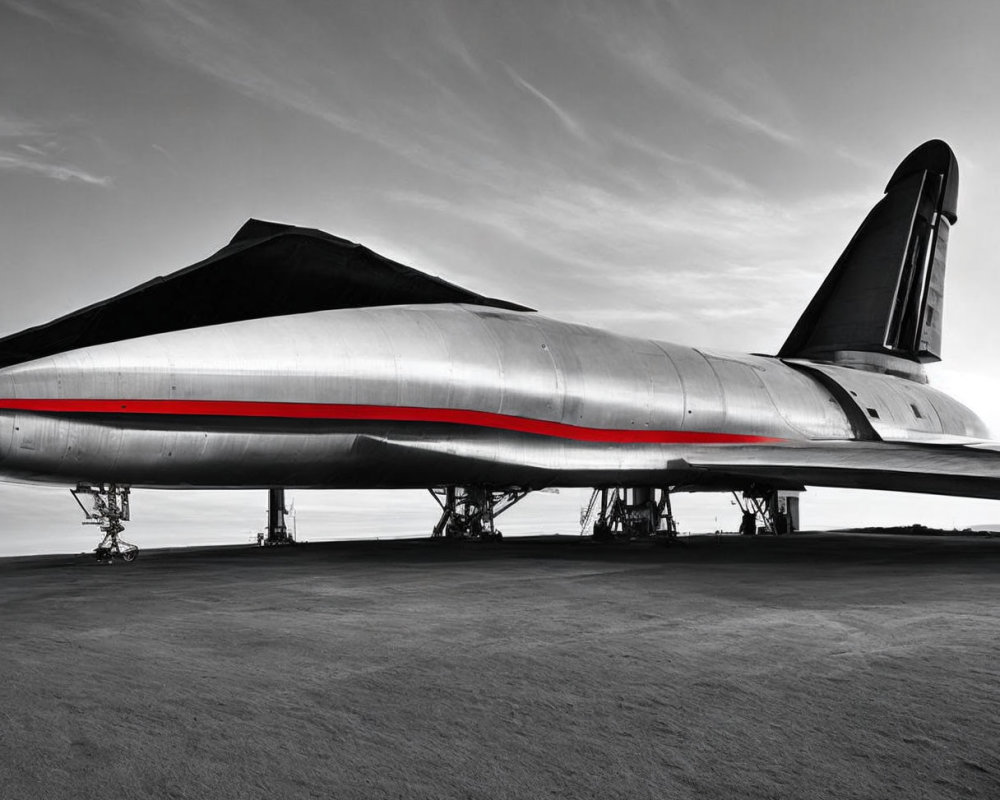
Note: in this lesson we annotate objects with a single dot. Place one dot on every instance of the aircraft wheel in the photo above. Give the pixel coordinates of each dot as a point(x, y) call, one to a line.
point(130, 554)
point(602, 533)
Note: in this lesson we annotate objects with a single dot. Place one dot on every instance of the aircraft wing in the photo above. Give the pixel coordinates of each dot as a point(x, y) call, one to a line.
point(267, 270)
point(960, 470)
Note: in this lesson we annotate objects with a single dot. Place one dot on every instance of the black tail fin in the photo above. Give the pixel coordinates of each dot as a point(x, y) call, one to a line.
point(884, 295)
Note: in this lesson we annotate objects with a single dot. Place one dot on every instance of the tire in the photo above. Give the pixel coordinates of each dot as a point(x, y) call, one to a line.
point(602, 533)
point(130, 554)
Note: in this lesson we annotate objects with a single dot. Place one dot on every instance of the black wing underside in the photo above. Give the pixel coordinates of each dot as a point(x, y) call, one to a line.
point(953, 470)
point(267, 270)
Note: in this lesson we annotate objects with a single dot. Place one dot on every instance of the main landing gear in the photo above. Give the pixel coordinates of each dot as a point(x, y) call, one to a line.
point(470, 512)
point(108, 509)
point(630, 513)
point(777, 511)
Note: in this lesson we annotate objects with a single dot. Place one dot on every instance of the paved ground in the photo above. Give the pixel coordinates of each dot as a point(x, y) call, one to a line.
point(823, 666)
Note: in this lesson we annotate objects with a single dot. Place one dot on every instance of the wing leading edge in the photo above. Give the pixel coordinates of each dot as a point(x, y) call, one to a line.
point(267, 270)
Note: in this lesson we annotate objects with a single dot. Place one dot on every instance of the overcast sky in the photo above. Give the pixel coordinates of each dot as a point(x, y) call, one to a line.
point(686, 171)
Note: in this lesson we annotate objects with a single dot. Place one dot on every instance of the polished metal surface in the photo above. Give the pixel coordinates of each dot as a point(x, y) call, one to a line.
point(456, 357)
point(902, 410)
point(464, 358)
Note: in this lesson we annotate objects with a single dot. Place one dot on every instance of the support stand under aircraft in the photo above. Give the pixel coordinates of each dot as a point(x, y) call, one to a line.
point(470, 512)
point(630, 513)
point(777, 512)
point(109, 509)
point(277, 532)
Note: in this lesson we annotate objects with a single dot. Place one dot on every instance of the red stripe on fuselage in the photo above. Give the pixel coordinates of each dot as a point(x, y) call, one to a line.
point(334, 411)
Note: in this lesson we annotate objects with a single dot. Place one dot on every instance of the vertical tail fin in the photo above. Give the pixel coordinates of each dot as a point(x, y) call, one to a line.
point(885, 293)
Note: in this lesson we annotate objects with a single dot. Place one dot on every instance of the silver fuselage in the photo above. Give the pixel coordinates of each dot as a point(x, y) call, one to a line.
point(432, 395)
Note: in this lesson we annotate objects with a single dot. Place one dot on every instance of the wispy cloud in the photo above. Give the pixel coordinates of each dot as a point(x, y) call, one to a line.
point(29, 10)
point(670, 160)
point(33, 148)
point(448, 38)
point(15, 127)
point(15, 162)
point(238, 51)
point(858, 159)
point(30, 148)
point(652, 63)
point(642, 46)
point(600, 233)
point(567, 119)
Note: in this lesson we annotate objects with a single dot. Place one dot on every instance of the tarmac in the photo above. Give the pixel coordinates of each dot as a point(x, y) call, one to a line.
point(813, 665)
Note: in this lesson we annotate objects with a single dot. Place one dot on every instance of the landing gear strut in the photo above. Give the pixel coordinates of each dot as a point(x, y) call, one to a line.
point(778, 512)
point(108, 509)
point(470, 512)
point(634, 513)
point(277, 530)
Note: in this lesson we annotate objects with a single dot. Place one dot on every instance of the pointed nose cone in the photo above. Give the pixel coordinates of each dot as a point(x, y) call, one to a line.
point(937, 157)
